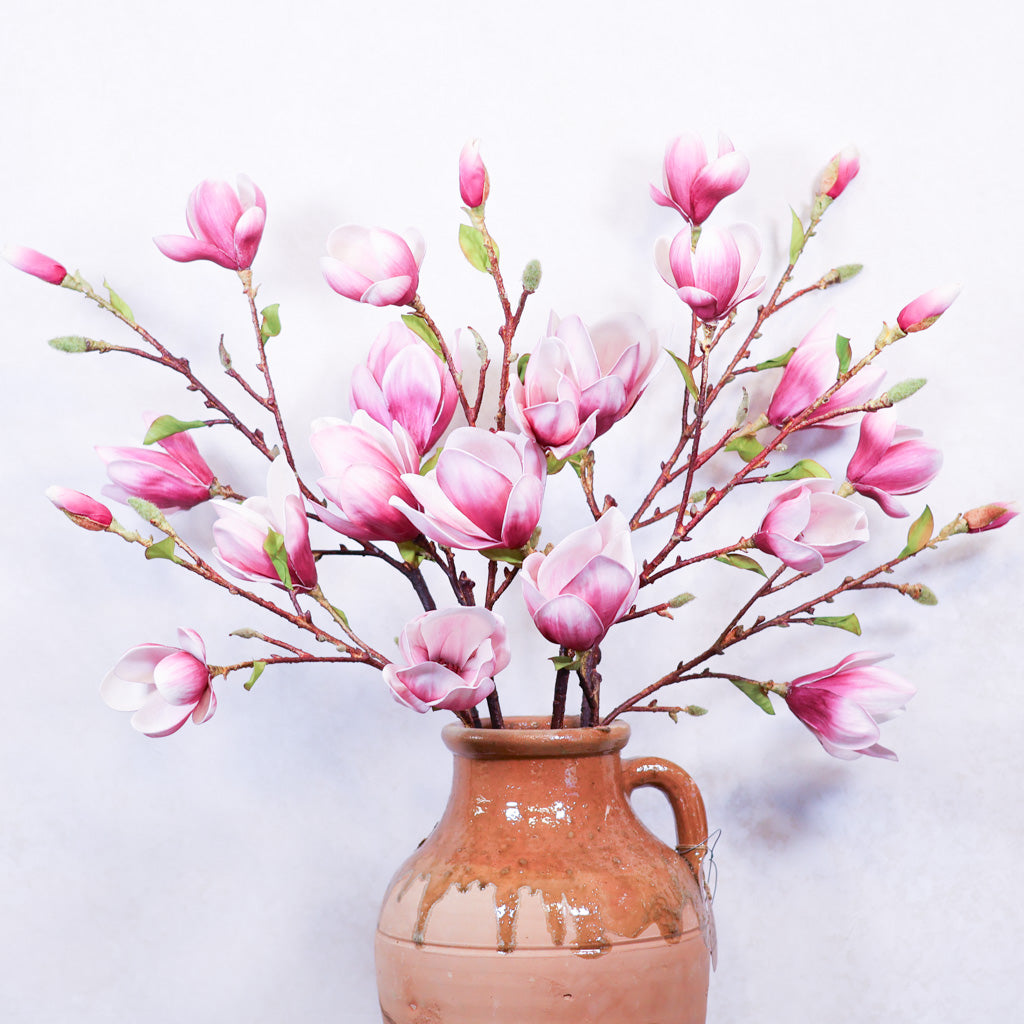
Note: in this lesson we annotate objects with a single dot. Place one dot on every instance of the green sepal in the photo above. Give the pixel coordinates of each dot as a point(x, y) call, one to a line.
point(684, 369)
point(848, 622)
point(521, 365)
point(119, 304)
point(562, 661)
point(163, 549)
point(771, 364)
point(420, 327)
point(165, 426)
point(411, 552)
point(556, 465)
point(474, 248)
point(755, 693)
point(75, 344)
point(796, 237)
point(257, 671)
point(429, 464)
point(919, 534)
point(746, 447)
point(270, 325)
point(278, 555)
point(342, 617)
point(514, 556)
point(925, 595)
point(845, 354)
point(800, 471)
point(742, 562)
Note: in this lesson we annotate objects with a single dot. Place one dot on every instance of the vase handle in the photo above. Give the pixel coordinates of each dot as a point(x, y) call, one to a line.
point(684, 798)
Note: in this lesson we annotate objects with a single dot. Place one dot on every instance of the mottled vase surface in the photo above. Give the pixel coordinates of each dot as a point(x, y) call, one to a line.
point(540, 896)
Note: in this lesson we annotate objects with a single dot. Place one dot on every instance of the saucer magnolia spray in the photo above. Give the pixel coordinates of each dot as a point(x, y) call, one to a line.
point(532, 900)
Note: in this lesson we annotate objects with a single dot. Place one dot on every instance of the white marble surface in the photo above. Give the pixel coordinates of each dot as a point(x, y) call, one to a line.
point(232, 872)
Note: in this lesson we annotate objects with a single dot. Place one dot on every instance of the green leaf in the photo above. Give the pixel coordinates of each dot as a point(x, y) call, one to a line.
point(561, 661)
point(471, 242)
point(742, 562)
point(163, 549)
point(755, 693)
point(748, 448)
point(119, 304)
point(278, 555)
point(684, 369)
point(521, 365)
point(771, 364)
point(848, 622)
point(556, 465)
point(845, 354)
point(796, 238)
point(919, 534)
point(411, 552)
point(165, 426)
point(257, 671)
point(800, 471)
point(341, 616)
point(419, 326)
point(429, 464)
point(514, 556)
point(270, 325)
point(73, 343)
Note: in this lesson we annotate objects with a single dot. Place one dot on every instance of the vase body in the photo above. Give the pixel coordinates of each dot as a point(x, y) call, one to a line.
point(540, 896)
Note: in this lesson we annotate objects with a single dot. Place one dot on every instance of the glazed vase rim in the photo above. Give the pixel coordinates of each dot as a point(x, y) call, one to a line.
point(530, 736)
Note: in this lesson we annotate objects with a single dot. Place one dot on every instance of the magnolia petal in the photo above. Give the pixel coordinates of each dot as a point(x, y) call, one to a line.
point(184, 250)
point(181, 679)
point(157, 718)
point(569, 621)
point(248, 232)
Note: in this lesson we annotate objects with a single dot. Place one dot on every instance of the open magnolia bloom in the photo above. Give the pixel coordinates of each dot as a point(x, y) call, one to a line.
point(695, 185)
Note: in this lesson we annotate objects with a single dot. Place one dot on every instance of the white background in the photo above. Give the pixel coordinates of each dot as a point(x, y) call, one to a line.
point(233, 872)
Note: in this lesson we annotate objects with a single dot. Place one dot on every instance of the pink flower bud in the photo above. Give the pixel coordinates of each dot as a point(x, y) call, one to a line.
point(163, 685)
point(450, 659)
point(226, 225)
point(715, 278)
point(842, 169)
point(811, 371)
point(579, 382)
point(844, 705)
point(585, 584)
point(485, 491)
point(34, 263)
point(80, 508)
point(174, 479)
point(927, 308)
point(889, 461)
point(404, 382)
point(242, 531)
point(694, 185)
point(990, 517)
point(364, 462)
point(807, 526)
point(373, 265)
point(473, 181)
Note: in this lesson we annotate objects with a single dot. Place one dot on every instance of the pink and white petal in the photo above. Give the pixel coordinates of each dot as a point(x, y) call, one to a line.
point(136, 665)
point(213, 212)
point(248, 232)
point(250, 194)
point(185, 250)
point(663, 200)
point(344, 279)
point(191, 641)
point(183, 450)
point(181, 679)
point(570, 621)
point(794, 554)
point(443, 531)
point(720, 178)
point(400, 692)
point(840, 721)
point(663, 262)
point(301, 563)
point(568, 560)
point(876, 435)
point(888, 504)
point(436, 504)
point(392, 291)
point(607, 399)
point(365, 393)
point(206, 707)
point(602, 584)
point(462, 698)
point(906, 468)
point(428, 681)
point(157, 718)
point(877, 750)
point(522, 512)
point(474, 487)
point(703, 303)
point(122, 695)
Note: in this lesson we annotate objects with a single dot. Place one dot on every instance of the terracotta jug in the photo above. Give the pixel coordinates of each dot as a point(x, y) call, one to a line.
point(540, 896)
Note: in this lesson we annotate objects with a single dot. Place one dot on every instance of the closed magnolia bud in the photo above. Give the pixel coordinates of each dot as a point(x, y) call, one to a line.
point(990, 517)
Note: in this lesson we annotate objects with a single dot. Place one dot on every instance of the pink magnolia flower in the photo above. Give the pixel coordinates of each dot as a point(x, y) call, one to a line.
point(80, 508)
point(842, 169)
point(373, 265)
point(811, 371)
point(163, 685)
point(242, 531)
point(364, 462)
point(226, 225)
point(584, 585)
point(174, 479)
point(844, 705)
point(990, 517)
point(473, 181)
point(35, 263)
point(485, 491)
point(579, 382)
point(715, 277)
point(807, 526)
point(927, 308)
point(404, 382)
point(451, 658)
point(889, 461)
point(695, 185)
